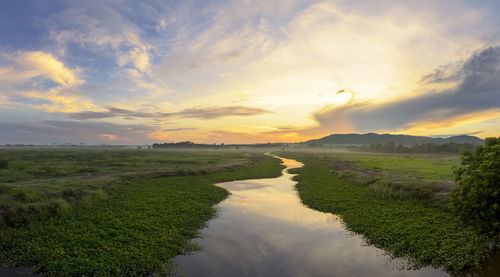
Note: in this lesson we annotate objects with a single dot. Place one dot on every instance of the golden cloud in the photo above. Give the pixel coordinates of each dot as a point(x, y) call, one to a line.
point(51, 67)
point(59, 102)
point(423, 126)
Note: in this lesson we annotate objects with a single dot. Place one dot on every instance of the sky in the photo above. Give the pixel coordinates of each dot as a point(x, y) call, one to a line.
point(145, 71)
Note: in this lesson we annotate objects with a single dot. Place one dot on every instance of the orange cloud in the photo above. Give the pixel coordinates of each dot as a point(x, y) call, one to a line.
point(423, 126)
point(162, 136)
point(108, 136)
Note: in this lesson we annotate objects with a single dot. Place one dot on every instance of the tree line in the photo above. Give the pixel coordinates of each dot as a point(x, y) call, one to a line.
point(189, 144)
point(392, 147)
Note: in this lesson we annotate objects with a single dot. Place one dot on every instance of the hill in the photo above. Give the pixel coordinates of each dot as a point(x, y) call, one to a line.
point(372, 138)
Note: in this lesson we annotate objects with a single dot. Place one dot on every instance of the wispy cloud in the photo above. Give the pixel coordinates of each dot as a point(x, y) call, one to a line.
point(45, 79)
point(217, 112)
point(253, 66)
point(21, 67)
point(200, 113)
point(48, 132)
point(178, 129)
point(51, 67)
point(104, 28)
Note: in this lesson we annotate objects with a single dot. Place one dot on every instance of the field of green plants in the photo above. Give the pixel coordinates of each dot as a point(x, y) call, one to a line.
point(129, 212)
point(404, 176)
point(142, 221)
point(37, 182)
point(403, 222)
point(422, 166)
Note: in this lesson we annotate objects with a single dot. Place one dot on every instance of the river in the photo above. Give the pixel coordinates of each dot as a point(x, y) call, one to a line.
point(262, 229)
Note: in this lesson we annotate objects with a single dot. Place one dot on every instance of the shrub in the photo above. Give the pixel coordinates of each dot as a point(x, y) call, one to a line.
point(26, 197)
point(58, 206)
point(477, 199)
point(4, 189)
point(4, 164)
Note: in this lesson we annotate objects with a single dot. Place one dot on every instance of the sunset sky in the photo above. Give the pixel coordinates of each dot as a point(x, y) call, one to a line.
point(134, 72)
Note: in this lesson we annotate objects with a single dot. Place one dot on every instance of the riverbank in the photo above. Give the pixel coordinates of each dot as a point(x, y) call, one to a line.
point(138, 230)
point(424, 233)
point(263, 229)
point(35, 183)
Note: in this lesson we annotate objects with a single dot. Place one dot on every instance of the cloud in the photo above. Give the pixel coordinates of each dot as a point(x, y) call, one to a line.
point(200, 113)
point(477, 92)
point(51, 67)
point(19, 68)
point(457, 134)
point(217, 112)
point(41, 80)
point(98, 60)
point(178, 129)
point(112, 112)
point(60, 101)
point(474, 117)
point(109, 136)
point(48, 132)
point(165, 134)
point(106, 28)
point(139, 57)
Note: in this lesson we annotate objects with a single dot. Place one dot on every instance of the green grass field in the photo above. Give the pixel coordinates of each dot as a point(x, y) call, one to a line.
point(403, 176)
point(38, 182)
point(129, 212)
point(424, 166)
point(426, 234)
point(141, 225)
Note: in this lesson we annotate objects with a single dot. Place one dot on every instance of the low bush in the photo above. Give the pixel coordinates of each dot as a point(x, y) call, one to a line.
point(4, 164)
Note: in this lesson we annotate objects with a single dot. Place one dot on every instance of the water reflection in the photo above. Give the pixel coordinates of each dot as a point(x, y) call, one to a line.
point(263, 230)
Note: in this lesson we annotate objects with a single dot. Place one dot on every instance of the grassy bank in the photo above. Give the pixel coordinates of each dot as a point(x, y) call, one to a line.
point(136, 231)
point(425, 234)
point(40, 182)
point(422, 166)
point(421, 177)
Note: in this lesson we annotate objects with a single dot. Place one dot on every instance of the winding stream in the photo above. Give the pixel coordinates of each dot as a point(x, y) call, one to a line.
point(263, 229)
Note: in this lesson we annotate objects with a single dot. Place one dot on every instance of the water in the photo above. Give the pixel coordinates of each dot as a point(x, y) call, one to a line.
point(264, 230)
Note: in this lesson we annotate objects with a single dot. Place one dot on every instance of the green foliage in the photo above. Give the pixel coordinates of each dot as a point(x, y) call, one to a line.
point(436, 167)
point(477, 199)
point(402, 190)
point(136, 231)
point(4, 164)
point(409, 177)
point(425, 234)
point(391, 147)
point(29, 164)
point(36, 179)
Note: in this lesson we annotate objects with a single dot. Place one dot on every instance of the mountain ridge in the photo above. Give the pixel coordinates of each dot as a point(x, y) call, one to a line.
point(407, 140)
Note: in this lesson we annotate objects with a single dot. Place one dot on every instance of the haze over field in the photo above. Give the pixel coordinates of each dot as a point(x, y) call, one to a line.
point(129, 72)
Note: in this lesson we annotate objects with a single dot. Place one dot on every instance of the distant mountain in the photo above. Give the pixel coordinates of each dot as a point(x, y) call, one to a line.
point(372, 138)
point(466, 139)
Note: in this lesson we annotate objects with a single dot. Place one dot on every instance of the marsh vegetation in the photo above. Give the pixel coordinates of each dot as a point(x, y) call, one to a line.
point(39, 182)
point(130, 212)
point(400, 203)
point(143, 219)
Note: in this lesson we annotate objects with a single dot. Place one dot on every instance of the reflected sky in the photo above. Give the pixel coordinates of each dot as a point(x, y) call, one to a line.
point(264, 230)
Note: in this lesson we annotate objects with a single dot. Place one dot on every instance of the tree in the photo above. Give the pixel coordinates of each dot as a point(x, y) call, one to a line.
point(477, 199)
